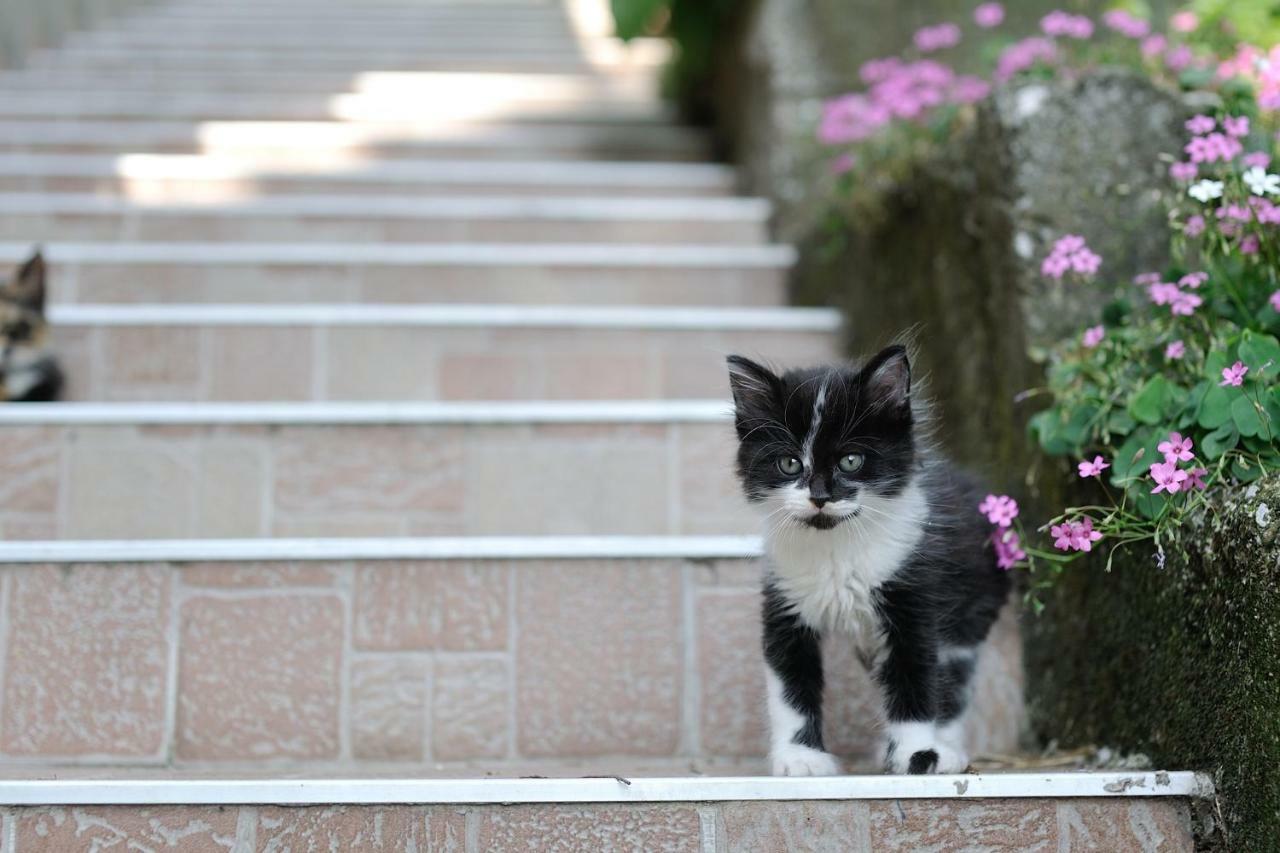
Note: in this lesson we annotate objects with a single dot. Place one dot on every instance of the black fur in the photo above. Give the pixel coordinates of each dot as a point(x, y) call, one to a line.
point(945, 595)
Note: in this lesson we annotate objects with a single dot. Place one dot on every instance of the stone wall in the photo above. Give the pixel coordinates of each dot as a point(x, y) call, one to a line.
point(27, 25)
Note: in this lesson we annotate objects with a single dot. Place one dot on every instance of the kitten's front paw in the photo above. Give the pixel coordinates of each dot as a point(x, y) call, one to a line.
point(927, 759)
point(798, 760)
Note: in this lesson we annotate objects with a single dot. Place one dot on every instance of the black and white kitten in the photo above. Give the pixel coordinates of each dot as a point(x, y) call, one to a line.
point(874, 536)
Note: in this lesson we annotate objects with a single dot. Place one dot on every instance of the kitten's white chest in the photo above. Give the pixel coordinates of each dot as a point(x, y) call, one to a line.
point(829, 576)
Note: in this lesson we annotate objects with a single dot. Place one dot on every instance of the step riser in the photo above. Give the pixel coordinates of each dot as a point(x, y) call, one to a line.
point(749, 827)
point(80, 482)
point(408, 284)
point(267, 228)
point(418, 662)
point(389, 362)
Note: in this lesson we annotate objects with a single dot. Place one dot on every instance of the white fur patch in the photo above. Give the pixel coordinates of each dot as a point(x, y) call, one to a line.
point(786, 757)
point(819, 403)
point(829, 575)
point(906, 739)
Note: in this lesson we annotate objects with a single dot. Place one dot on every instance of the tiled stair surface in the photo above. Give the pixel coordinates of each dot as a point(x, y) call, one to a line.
point(395, 466)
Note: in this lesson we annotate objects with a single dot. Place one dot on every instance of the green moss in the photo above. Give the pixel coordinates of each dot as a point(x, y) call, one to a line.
point(1179, 663)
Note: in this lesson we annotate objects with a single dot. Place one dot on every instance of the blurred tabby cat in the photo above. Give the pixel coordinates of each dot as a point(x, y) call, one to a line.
point(28, 370)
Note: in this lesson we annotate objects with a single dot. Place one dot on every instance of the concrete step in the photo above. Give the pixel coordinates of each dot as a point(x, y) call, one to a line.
point(381, 108)
point(473, 654)
point(598, 273)
point(990, 812)
point(488, 87)
point(372, 218)
point(71, 470)
point(226, 179)
point(359, 142)
point(415, 353)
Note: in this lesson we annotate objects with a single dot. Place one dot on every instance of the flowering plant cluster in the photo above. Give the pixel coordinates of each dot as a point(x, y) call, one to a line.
point(1175, 392)
point(909, 102)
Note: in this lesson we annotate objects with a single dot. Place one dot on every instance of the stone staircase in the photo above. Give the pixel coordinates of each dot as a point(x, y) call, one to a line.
point(394, 473)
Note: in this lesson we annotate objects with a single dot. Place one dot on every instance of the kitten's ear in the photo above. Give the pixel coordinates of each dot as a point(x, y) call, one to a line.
point(756, 390)
point(886, 379)
point(27, 286)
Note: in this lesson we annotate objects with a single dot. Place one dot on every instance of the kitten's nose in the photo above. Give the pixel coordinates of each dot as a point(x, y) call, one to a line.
point(817, 501)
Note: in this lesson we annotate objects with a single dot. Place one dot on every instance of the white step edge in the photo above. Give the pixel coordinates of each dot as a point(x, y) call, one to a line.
point(315, 414)
point(453, 316)
point(72, 792)
point(578, 209)
point(383, 548)
point(202, 167)
point(604, 255)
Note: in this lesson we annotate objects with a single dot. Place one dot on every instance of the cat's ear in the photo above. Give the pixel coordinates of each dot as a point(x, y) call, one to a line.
point(27, 285)
point(886, 379)
point(757, 391)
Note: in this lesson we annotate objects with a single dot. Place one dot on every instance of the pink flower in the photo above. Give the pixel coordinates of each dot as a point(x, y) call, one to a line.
point(1178, 58)
point(929, 39)
point(1163, 293)
point(1195, 226)
point(1201, 124)
point(1008, 549)
point(1212, 148)
point(988, 15)
point(1167, 477)
point(1184, 22)
point(1000, 510)
point(1154, 45)
point(1234, 375)
point(1146, 278)
point(843, 163)
point(1066, 25)
point(1183, 171)
point(1185, 304)
point(1093, 336)
point(1094, 468)
point(1193, 279)
point(1236, 126)
point(1196, 476)
point(1020, 56)
point(1125, 24)
point(1075, 535)
point(969, 90)
point(1275, 302)
point(1175, 350)
point(1070, 253)
point(1061, 536)
point(1176, 448)
point(1249, 244)
point(1256, 159)
point(876, 70)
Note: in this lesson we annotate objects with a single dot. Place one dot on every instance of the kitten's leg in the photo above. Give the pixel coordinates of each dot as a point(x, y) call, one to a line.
point(921, 697)
point(793, 679)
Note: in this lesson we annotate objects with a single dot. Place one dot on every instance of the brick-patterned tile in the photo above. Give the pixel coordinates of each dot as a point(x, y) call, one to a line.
point(378, 363)
point(150, 362)
point(251, 575)
point(431, 605)
point(470, 716)
point(29, 469)
point(624, 828)
point(851, 708)
point(933, 825)
point(710, 494)
point(599, 658)
point(260, 363)
point(232, 484)
point(362, 469)
point(600, 375)
point(731, 675)
point(488, 376)
point(798, 827)
point(388, 708)
point(363, 828)
point(259, 677)
point(190, 829)
point(1141, 826)
point(86, 663)
point(105, 501)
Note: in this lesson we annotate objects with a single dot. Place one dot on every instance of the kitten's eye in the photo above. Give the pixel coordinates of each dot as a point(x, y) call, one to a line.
point(789, 465)
point(850, 463)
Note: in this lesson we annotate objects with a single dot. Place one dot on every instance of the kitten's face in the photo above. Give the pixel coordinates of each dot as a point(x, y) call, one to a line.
point(818, 447)
point(23, 330)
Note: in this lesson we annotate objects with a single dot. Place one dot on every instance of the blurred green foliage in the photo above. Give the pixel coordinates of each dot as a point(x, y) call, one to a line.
point(1224, 23)
point(692, 25)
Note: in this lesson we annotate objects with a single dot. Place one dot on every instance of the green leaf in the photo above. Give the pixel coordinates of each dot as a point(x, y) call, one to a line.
point(632, 17)
point(1246, 416)
point(1244, 470)
point(1219, 441)
point(1257, 350)
point(1128, 461)
point(1148, 404)
point(1120, 423)
point(1215, 409)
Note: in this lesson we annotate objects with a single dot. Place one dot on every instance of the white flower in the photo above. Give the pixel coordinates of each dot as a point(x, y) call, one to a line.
point(1206, 190)
point(1261, 183)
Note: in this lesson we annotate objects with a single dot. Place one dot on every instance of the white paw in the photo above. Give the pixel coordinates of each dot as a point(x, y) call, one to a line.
point(797, 760)
point(919, 748)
